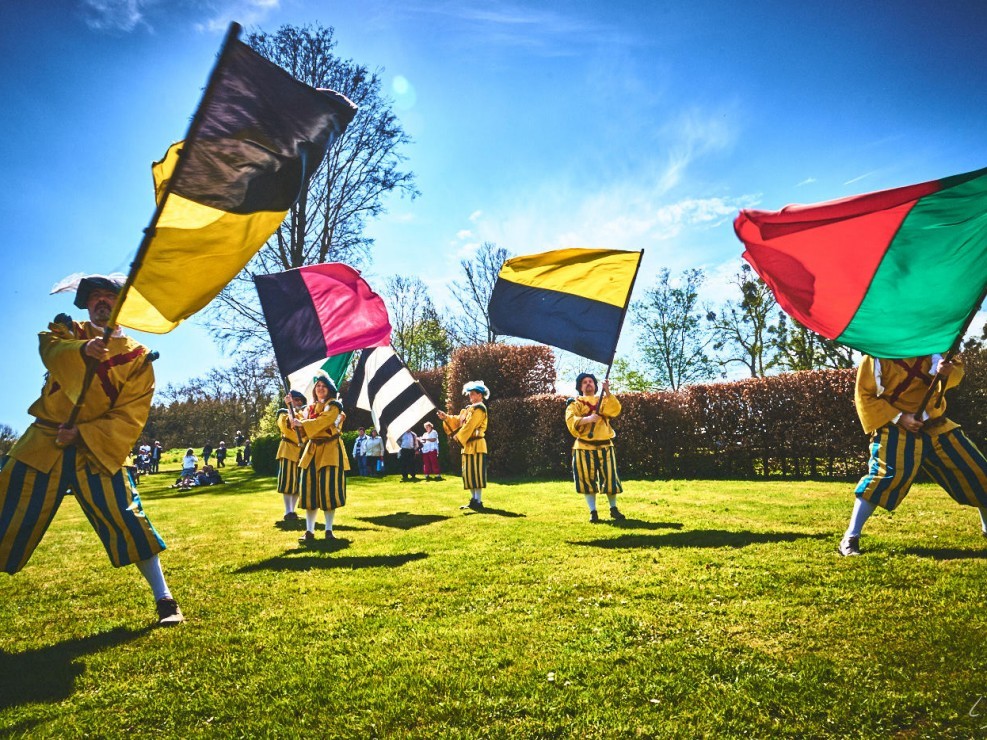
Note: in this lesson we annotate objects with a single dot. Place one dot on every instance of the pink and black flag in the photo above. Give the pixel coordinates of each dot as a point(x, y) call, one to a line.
point(320, 310)
point(897, 273)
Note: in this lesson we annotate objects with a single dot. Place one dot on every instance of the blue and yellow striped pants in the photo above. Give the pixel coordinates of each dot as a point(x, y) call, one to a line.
point(474, 471)
point(289, 477)
point(323, 488)
point(29, 500)
point(950, 459)
point(595, 471)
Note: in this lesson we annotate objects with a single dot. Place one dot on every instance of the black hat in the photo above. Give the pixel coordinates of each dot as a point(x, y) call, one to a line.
point(581, 377)
point(95, 282)
point(298, 394)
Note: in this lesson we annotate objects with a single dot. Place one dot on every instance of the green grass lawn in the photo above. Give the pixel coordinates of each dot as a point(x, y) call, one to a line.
point(718, 609)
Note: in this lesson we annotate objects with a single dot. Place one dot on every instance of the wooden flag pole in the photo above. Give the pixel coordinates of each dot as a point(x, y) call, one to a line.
point(232, 34)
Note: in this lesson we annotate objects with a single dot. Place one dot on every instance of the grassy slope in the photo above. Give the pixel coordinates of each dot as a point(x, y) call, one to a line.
point(720, 609)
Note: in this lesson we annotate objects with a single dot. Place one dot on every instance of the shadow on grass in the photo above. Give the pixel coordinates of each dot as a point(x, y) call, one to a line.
point(404, 520)
point(699, 538)
point(307, 559)
point(947, 553)
point(48, 674)
point(640, 524)
point(495, 512)
point(298, 525)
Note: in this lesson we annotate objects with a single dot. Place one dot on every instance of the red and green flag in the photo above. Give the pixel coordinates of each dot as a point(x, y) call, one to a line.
point(896, 273)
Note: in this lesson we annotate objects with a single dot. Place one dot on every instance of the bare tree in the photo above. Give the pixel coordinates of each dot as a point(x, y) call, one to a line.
point(361, 168)
point(673, 332)
point(417, 332)
point(471, 323)
point(743, 329)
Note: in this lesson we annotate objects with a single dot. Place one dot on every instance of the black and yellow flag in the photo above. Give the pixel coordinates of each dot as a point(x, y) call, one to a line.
point(255, 141)
point(574, 299)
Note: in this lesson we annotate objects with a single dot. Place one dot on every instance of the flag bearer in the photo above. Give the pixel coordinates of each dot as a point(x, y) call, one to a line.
point(887, 393)
point(594, 460)
point(470, 429)
point(289, 452)
point(86, 458)
point(324, 462)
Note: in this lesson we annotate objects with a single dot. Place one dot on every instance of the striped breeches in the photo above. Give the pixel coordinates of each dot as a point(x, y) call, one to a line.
point(323, 488)
point(474, 471)
point(595, 471)
point(29, 500)
point(289, 477)
point(950, 459)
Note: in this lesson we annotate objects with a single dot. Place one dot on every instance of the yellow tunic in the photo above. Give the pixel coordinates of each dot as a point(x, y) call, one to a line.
point(325, 446)
point(115, 408)
point(598, 434)
point(469, 429)
point(289, 449)
point(880, 396)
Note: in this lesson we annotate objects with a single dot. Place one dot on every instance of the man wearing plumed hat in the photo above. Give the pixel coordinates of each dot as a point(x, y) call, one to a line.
point(85, 458)
point(469, 428)
point(289, 452)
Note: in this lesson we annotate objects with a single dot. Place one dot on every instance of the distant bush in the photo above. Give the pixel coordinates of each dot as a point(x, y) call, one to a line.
point(263, 454)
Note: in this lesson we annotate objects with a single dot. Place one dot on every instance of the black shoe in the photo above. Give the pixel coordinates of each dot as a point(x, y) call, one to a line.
point(616, 515)
point(594, 518)
point(439, 477)
point(475, 505)
point(428, 479)
point(330, 535)
point(307, 539)
point(168, 613)
point(849, 546)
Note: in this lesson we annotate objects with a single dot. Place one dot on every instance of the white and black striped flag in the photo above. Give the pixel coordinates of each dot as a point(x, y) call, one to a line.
point(382, 385)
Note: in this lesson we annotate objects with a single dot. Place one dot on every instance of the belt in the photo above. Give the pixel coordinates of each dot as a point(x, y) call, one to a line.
point(933, 423)
point(46, 423)
point(322, 441)
point(597, 443)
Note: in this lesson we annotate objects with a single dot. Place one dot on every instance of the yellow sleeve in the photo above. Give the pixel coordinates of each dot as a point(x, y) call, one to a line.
point(61, 353)
point(573, 413)
point(610, 406)
point(874, 412)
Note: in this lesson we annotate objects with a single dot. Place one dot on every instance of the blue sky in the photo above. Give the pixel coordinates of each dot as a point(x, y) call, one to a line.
point(635, 125)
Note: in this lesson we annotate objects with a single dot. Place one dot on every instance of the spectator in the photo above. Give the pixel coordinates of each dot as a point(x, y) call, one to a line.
point(358, 451)
point(246, 451)
point(206, 452)
point(156, 456)
point(430, 452)
point(373, 449)
point(408, 443)
point(221, 455)
point(189, 464)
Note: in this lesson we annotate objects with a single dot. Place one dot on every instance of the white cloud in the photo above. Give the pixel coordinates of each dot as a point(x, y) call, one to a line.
point(464, 234)
point(806, 181)
point(114, 15)
point(244, 12)
point(859, 178)
point(475, 216)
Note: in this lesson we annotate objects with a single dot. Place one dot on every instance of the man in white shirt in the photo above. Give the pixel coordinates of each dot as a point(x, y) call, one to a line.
point(408, 443)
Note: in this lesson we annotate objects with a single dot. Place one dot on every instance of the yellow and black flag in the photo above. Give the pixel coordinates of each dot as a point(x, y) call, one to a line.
point(257, 138)
point(573, 299)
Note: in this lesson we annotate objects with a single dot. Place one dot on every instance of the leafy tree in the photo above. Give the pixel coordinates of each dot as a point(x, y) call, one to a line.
point(743, 330)
point(673, 332)
point(471, 323)
point(627, 378)
point(417, 331)
point(802, 349)
point(212, 407)
point(362, 167)
point(8, 436)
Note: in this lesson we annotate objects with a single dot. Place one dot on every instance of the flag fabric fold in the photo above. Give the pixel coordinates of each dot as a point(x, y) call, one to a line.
point(255, 141)
point(335, 367)
point(382, 385)
point(893, 274)
point(574, 299)
point(321, 310)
